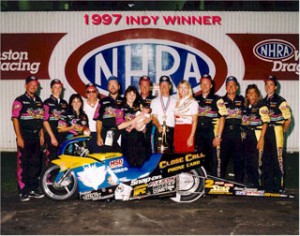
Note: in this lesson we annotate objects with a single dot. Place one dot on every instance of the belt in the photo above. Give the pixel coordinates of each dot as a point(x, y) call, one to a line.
point(274, 124)
point(31, 131)
point(232, 127)
point(252, 128)
point(207, 125)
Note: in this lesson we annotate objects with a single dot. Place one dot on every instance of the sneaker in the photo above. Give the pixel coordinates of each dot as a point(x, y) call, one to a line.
point(36, 194)
point(24, 197)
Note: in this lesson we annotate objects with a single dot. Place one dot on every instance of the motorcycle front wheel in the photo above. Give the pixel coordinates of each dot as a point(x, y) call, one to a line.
point(59, 185)
point(191, 186)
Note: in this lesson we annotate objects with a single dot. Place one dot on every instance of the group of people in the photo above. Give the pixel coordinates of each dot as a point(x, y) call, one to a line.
point(249, 130)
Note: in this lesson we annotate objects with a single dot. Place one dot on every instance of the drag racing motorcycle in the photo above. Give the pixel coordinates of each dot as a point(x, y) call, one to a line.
point(108, 176)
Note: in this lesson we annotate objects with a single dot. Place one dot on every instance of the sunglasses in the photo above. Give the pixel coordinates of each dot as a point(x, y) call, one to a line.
point(90, 91)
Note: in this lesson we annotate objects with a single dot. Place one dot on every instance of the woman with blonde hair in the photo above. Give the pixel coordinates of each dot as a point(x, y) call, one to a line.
point(186, 117)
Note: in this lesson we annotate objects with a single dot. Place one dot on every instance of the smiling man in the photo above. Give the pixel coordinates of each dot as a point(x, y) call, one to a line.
point(54, 106)
point(27, 117)
point(231, 146)
point(211, 117)
point(280, 116)
point(107, 131)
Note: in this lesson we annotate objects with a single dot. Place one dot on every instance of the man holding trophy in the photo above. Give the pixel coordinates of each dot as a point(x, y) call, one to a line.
point(163, 117)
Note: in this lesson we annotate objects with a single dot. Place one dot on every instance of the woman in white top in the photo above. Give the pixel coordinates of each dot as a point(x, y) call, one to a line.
point(186, 118)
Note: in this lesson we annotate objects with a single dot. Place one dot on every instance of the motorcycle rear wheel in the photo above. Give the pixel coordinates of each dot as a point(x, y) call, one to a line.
point(192, 186)
point(63, 189)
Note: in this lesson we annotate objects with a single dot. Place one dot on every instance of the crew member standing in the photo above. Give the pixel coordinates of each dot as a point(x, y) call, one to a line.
point(211, 119)
point(145, 91)
point(145, 99)
point(231, 145)
point(280, 116)
point(54, 106)
point(163, 116)
point(27, 118)
point(186, 115)
point(254, 123)
point(106, 126)
point(91, 106)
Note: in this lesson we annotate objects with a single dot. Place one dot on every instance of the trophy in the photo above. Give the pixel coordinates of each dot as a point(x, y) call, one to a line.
point(162, 144)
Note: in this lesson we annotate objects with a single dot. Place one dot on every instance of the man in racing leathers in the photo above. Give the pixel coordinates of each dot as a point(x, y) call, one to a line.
point(211, 119)
point(27, 117)
point(231, 146)
point(54, 106)
point(106, 126)
point(280, 115)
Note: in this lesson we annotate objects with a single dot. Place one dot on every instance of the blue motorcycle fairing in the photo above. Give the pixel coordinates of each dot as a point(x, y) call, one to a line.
point(125, 172)
point(111, 172)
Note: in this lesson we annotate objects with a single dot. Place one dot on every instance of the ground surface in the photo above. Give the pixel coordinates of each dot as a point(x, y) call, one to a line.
point(210, 215)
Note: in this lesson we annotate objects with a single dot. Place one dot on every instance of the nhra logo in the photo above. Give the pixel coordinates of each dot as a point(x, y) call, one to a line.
point(129, 54)
point(274, 49)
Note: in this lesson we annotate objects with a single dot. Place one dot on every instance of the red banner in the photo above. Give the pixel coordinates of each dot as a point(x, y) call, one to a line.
point(27, 54)
point(265, 54)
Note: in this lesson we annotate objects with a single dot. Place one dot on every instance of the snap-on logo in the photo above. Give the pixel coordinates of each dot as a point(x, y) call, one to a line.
point(274, 49)
point(129, 54)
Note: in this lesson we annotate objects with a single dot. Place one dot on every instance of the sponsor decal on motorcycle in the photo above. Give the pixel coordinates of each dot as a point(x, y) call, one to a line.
point(145, 180)
point(116, 163)
point(217, 189)
point(140, 190)
point(164, 185)
point(120, 170)
point(92, 176)
point(161, 182)
point(182, 162)
point(97, 196)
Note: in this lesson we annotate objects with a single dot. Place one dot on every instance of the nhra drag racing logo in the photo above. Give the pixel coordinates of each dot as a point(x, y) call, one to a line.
point(129, 54)
point(278, 51)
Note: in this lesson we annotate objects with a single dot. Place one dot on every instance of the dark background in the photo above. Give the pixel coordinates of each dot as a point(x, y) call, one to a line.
point(200, 5)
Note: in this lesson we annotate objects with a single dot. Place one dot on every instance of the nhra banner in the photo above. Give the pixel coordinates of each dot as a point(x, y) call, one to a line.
point(82, 47)
point(89, 47)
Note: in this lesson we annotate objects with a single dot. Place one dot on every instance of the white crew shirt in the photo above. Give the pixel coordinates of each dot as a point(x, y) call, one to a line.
point(90, 111)
point(162, 106)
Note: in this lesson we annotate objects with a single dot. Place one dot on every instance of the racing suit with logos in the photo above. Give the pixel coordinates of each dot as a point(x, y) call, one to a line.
point(53, 110)
point(109, 111)
point(30, 115)
point(273, 164)
point(210, 110)
point(252, 121)
point(231, 145)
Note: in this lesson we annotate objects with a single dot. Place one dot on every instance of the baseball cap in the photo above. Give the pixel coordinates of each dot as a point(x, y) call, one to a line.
point(55, 81)
point(206, 76)
point(231, 78)
point(110, 78)
point(31, 78)
point(273, 78)
point(165, 78)
point(145, 78)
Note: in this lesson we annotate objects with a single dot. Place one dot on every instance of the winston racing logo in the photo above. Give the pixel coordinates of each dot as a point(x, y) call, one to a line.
point(129, 54)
